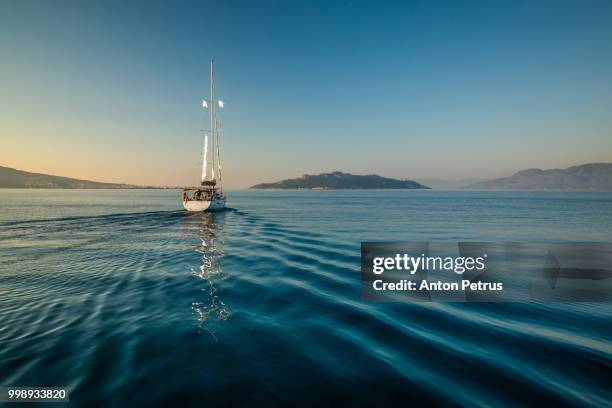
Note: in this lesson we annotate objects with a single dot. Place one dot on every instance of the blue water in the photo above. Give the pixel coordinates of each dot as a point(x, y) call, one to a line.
point(127, 300)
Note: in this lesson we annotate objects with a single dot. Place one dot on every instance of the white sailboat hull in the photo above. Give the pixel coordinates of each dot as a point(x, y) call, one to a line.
point(201, 205)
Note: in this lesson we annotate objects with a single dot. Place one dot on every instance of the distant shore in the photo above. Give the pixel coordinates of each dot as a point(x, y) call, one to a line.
point(586, 177)
point(340, 181)
point(90, 188)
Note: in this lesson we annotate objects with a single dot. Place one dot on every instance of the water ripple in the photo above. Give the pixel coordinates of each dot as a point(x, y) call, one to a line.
point(265, 305)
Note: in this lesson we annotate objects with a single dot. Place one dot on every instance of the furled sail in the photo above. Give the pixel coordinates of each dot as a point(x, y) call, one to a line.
point(204, 158)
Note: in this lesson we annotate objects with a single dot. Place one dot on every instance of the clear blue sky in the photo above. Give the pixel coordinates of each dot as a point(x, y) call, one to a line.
point(111, 90)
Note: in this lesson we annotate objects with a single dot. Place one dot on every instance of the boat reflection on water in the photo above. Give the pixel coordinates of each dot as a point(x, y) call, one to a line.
point(208, 229)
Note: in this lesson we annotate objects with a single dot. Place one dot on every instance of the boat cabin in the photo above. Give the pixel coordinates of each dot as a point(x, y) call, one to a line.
point(204, 193)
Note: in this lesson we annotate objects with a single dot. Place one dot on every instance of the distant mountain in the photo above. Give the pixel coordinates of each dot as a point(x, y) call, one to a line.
point(11, 178)
point(339, 180)
point(448, 184)
point(593, 176)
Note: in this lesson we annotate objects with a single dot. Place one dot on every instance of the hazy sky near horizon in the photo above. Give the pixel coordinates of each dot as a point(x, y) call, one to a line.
point(112, 91)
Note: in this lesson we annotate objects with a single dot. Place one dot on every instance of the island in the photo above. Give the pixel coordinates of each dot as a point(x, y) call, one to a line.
point(12, 178)
point(585, 177)
point(338, 180)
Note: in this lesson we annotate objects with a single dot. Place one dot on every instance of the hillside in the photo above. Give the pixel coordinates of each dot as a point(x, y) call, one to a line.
point(12, 178)
point(593, 177)
point(339, 180)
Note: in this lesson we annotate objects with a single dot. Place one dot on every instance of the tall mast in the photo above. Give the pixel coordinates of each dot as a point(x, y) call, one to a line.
point(213, 116)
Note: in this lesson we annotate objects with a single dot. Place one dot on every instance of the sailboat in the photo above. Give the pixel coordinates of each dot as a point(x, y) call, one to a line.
point(208, 196)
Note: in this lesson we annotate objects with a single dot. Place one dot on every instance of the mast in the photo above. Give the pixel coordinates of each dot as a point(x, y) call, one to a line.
point(213, 116)
point(214, 134)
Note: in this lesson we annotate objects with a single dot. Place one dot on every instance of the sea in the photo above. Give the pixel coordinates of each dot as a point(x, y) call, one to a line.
point(127, 300)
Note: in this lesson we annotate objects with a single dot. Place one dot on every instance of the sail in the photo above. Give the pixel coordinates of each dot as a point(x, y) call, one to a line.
point(204, 157)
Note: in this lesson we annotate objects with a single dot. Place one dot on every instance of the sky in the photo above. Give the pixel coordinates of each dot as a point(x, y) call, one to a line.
point(111, 91)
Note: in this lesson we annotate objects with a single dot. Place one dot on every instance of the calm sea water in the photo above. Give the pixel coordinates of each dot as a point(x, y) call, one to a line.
point(126, 299)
